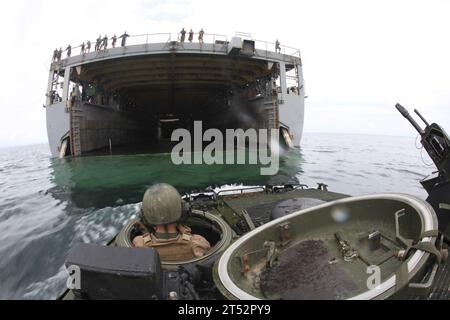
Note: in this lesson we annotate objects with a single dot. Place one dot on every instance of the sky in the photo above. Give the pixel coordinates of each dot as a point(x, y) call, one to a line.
point(359, 57)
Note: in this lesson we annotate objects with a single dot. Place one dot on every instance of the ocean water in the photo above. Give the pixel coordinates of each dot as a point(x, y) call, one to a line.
point(48, 205)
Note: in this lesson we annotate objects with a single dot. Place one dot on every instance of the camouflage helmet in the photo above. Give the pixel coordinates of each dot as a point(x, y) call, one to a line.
point(161, 205)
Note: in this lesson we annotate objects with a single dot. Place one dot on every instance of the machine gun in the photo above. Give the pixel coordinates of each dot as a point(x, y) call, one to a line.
point(437, 144)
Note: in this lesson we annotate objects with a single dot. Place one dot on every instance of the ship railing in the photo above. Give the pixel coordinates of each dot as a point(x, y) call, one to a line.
point(147, 38)
point(207, 38)
point(271, 47)
point(213, 38)
point(131, 40)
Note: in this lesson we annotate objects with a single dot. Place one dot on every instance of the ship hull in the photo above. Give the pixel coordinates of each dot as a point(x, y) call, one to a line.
point(140, 94)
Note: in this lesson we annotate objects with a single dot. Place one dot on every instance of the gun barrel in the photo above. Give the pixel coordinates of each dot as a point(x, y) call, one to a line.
point(406, 114)
point(402, 110)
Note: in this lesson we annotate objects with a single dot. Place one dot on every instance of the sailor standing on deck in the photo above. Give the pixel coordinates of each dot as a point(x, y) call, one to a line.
point(60, 54)
point(124, 38)
point(83, 48)
point(277, 46)
point(161, 213)
point(98, 43)
point(69, 51)
point(88, 46)
point(191, 36)
point(183, 35)
point(114, 41)
point(200, 36)
point(105, 42)
point(55, 55)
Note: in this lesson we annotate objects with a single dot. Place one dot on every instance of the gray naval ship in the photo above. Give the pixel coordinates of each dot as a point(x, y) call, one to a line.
point(289, 242)
point(138, 93)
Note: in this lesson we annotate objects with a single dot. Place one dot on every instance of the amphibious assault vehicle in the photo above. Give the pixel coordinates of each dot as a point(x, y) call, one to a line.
point(290, 242)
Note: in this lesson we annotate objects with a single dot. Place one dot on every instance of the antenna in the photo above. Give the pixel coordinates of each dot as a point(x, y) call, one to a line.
point(421, 117)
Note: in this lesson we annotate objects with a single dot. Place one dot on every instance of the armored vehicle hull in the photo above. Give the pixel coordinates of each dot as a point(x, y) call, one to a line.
point(289, 235)
point(301, 256)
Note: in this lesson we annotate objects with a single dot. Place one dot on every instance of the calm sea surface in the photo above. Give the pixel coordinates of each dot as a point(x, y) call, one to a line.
point(47, 205)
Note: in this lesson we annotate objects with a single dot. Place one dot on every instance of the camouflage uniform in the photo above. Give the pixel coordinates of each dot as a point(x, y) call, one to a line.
point(184, 247)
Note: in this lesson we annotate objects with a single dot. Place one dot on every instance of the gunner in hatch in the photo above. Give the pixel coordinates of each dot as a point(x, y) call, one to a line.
point(160, 215)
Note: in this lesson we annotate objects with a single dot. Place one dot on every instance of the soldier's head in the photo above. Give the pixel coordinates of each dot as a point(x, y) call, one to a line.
point(162, 205)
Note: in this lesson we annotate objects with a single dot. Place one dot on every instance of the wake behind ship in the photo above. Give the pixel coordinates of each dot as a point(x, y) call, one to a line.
point(139, 93)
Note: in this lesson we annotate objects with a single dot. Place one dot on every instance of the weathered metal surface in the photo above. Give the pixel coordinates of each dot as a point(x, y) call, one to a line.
point(355, 218)
point(440, 288)
point(261, 207)
point(304, 271)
